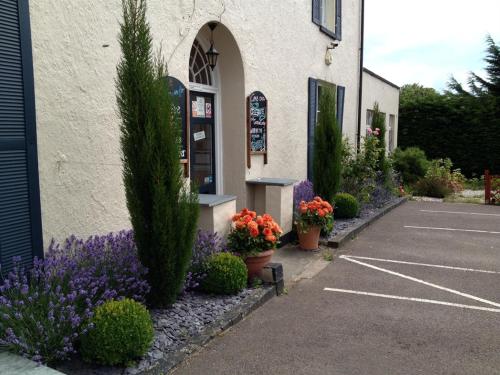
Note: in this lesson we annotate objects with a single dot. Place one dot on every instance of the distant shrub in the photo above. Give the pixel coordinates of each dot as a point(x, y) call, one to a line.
point(411, 163)
point(303, 191)
point(121, 332)
point(432, 187)
point(225, 274)
point(346, 206)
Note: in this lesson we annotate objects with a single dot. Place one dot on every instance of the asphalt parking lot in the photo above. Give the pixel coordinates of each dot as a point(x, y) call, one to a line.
point(418, 292)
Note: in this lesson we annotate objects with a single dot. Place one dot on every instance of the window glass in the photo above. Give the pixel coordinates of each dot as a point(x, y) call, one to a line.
point(328, 14)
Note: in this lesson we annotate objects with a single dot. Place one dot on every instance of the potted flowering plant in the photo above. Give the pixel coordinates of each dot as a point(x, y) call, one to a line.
point(254, 238)
point(312, 217)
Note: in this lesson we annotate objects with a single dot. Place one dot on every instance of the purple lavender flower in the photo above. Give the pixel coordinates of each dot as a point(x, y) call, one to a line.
point(43, 315)
point(303, 191)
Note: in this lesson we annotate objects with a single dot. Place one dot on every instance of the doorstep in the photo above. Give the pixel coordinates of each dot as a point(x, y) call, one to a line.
point(12, 364)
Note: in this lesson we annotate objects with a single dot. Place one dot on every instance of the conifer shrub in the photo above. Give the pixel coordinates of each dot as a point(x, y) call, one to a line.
point(327, 156)
point(346, 206)
point(225, 274)
point(122, 332)
point(162, 212)
point(411, 163)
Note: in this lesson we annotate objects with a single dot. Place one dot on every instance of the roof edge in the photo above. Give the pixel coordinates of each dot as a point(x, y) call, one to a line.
point(368, 71)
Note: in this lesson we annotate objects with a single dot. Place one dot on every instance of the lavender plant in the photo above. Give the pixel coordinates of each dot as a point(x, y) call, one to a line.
point(206, 244)
point(43, 312)
point(303, 191)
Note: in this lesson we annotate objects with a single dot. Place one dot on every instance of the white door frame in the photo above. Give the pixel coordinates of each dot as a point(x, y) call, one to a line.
point(218, 131)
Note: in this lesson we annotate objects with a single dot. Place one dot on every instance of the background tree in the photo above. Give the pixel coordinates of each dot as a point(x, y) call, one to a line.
point(163, 214)
point(461, 123)
point(327, 156)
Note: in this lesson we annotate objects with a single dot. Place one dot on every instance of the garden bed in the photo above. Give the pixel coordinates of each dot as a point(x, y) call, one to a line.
point(191, 322)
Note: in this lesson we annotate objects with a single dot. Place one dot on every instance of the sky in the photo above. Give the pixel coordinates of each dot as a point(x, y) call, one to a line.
point(428, 41)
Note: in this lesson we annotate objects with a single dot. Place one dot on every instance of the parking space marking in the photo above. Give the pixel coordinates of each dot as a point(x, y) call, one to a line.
point(423, 300)
point(424, 264)
point(398, 274)
point(453, 229)
point(459, 213)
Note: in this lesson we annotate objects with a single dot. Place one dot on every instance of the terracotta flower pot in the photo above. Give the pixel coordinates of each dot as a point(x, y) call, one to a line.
point(309, 240)
point(256, 263)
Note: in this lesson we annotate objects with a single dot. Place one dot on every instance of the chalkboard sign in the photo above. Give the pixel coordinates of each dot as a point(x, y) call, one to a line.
point(178, 93)
point(257, 125)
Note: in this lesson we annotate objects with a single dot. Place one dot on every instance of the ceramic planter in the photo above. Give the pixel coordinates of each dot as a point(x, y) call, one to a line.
point(309, 240)
point(257, 262)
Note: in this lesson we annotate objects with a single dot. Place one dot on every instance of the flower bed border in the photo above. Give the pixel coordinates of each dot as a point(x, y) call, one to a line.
point(341, 239)
point(172, 359)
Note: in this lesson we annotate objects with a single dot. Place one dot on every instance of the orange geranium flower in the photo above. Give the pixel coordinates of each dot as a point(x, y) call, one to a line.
point(270, 238)
point(240, 224)
point(259, 220)
point(321, 212)
point(267, 232)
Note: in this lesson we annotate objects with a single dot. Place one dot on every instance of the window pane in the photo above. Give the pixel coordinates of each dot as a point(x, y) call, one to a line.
point(329, 14)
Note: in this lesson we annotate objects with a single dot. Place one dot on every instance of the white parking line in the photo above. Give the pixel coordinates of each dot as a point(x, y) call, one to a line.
point(453, 229)
point(432, 301)
point(424, 264)
point(459, 212)
point(453, 291)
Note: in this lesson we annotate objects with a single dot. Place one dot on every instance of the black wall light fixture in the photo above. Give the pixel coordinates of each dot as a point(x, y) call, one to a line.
point(212, 53)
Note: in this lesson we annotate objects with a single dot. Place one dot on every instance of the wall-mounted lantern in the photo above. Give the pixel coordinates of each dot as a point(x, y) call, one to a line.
point(212, 53)
point(329, 55)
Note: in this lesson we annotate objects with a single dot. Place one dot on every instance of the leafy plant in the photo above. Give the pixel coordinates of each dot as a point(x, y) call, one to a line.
point(122, 331)
point(44, 311)
point(163, 213)
point(379, 130)
point(346, 206)
point(225, 274)
point(303, 191)
point(253, 234)
point(317, 213)
point(411, 163)
point(327, 156)
point(440, 180)
point(206, 245)
point(359, 170)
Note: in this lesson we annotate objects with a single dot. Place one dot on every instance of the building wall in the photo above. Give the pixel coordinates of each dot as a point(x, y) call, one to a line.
point(387, 97)
point(76, 51)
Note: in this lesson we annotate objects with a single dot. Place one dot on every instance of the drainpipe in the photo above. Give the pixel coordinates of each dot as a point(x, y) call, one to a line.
point(360, 92)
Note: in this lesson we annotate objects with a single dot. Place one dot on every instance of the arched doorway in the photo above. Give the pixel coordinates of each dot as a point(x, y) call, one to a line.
point(218, 164)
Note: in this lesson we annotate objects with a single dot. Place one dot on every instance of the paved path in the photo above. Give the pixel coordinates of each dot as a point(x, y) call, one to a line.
point(426, 302)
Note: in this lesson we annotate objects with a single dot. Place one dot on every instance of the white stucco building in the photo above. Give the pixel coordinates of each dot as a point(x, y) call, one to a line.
point(60, 161)
point(377, 89)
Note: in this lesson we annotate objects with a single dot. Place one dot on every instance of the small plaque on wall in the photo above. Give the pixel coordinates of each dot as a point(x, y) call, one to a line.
point(257, 125)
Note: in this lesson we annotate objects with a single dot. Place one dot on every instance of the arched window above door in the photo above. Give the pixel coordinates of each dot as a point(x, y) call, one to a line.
point(199, 70)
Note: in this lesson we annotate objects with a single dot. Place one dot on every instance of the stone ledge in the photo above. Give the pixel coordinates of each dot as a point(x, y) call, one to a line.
point(340, 239)
point(230, 318)
point(212, 200)
point(270, 181)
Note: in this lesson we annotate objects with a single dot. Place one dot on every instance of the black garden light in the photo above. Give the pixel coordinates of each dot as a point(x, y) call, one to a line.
point(212, 53)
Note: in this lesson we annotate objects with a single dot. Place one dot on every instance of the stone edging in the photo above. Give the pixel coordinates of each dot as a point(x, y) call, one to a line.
point(230, 318)
point(340, 239)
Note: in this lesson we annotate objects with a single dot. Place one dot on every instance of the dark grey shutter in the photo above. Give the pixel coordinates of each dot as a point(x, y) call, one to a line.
point(316, 11)
point(338, 21)
point(340, 106)
point(311, 123)
point(20, 224)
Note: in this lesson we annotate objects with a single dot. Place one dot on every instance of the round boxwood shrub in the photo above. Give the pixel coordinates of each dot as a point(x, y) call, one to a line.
point(122, 331)
point(346, 206)
point(225, 274)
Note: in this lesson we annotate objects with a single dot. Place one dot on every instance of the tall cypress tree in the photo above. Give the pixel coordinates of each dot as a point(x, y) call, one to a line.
point(163, 213)
point(327, 148)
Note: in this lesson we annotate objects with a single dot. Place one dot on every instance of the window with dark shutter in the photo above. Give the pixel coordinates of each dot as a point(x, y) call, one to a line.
point(340, 106)
point(327, 14)
point(20, 223)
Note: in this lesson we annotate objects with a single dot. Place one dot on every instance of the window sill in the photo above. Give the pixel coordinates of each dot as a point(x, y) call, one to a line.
point(328, 32)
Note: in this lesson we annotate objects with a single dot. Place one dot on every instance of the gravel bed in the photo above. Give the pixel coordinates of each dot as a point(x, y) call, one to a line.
point(174, 328)
point(380, 198)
